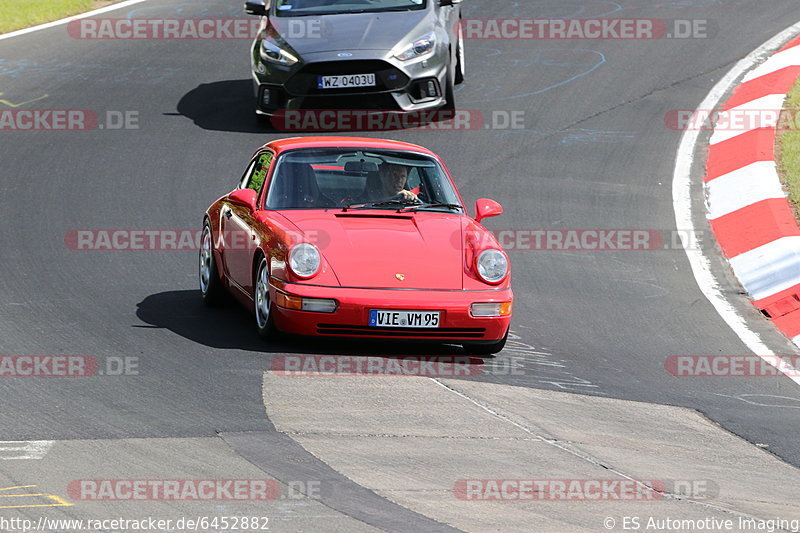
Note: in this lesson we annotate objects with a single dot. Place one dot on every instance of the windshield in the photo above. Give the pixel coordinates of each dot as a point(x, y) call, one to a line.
point(331, 178)
point(296, 8)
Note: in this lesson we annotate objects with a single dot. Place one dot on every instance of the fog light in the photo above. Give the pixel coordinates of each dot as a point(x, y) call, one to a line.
point(319, 305)
point(265, 97)
point(432, 88)
point(491, 309)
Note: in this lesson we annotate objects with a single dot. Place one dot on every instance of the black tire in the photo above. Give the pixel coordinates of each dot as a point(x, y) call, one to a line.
point(211, 288)
point(486, 350)
point(263, 121)
point(460, 58)
point(262, 307)
point(450, 100)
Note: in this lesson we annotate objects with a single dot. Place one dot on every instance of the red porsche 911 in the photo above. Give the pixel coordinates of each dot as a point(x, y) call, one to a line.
point(352, 237)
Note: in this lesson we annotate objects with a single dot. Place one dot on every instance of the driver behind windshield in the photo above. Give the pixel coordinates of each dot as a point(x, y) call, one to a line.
point(394, 179)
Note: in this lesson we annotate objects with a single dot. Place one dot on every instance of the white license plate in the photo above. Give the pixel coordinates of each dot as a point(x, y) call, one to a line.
point(403, 319)
point(345, 82)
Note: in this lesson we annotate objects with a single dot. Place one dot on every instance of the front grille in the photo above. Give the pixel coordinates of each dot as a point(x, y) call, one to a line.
point(368, 102)
point(359, 331)
point(387, 77)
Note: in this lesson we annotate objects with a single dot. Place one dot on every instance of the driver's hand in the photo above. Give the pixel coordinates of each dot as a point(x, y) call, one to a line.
point(407, 196)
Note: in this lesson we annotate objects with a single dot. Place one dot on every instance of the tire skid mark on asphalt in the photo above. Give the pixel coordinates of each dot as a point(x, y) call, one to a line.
point(748, 399)
point(495, 56)
point(570, 137)
point(186, 9)
point(655, 289)
point(538, 367)
point(49, 70)
point(579, 9)
point(582, 135)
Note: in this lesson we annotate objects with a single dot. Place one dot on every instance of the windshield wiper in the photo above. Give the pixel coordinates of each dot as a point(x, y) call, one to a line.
point(298, 13)
point(425, 206)
point(376, 204)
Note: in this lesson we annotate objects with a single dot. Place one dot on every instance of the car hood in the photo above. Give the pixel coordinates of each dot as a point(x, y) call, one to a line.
point(346, 32)
point(384, 249)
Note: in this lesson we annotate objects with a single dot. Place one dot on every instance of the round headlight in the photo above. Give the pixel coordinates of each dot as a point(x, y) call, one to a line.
point(492, 265)
point(304, 260)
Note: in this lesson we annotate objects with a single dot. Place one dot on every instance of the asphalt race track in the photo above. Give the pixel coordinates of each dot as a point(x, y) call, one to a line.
point(594, 152)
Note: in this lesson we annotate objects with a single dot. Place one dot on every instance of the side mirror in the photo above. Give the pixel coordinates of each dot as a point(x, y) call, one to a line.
point(245, 198)
point(485, 208)
point(256, 7)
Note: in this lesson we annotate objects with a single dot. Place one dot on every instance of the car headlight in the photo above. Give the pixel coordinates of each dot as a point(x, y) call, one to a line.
point(274, 52)
point(421, 47)
point(304, 260)
point(492, 265)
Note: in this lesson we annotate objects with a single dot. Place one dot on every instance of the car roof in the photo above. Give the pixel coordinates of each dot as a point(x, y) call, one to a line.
point(292, 143)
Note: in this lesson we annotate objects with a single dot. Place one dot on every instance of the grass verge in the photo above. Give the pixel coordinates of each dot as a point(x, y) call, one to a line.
point(18, 14)
point(788, 147)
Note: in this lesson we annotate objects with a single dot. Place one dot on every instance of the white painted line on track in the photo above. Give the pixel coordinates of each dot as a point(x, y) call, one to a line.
point(746, 186)
point(24, 450)
point(67, 20)
point(682, 202)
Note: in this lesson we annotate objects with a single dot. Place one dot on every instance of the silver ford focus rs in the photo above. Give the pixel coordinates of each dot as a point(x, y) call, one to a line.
point(394, 55)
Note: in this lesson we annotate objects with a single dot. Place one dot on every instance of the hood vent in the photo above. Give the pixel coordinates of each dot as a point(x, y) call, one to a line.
point(367, 215)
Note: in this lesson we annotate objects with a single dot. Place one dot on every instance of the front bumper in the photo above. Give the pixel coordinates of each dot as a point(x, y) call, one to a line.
point(401, 86)
point(351, 317)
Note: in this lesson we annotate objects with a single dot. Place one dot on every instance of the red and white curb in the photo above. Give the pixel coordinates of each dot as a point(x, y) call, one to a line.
point(747, 207)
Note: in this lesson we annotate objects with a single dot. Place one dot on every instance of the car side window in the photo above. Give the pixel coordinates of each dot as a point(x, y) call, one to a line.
point(414, 180)
point(256, 172)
